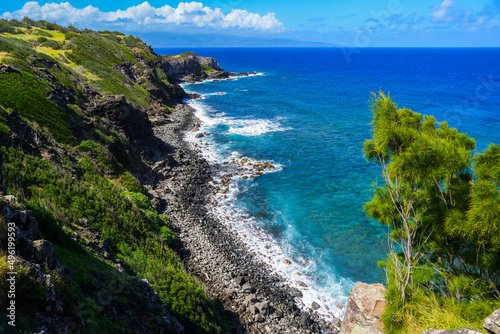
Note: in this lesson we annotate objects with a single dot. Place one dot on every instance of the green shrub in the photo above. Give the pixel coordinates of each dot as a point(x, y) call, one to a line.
point(73, 29)
point(52, 44)
point(133, 42)
point(102, 154)
point(5, 47)
point(25, 94)
point(126, 220)
point(6, 27)
point(29, 22)
point(16, 23)
point(41, 39)
point(207, 69)
point(70, 35)
point(130, 183)
point(50, 26)
point(4, 130)
point(187, 54)
point(43, 34)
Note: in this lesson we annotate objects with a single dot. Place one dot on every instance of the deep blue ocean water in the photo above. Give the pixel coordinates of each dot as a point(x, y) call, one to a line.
point(309, 114)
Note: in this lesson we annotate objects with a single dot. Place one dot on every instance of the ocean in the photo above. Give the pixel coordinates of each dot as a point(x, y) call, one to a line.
point(307, 113)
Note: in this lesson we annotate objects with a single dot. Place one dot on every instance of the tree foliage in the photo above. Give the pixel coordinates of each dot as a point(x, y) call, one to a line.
point(441, 201)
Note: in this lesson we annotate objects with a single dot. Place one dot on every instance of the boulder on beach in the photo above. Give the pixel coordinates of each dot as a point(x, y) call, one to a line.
point(364, 309)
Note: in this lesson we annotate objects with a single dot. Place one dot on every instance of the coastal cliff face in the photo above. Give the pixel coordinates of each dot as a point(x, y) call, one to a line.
point(188, 67)
point(77, 157)
point(106, 201)
point(38, 281)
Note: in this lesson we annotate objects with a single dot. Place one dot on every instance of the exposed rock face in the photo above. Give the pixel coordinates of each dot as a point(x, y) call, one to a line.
point(364, 310)
point(124, 115)
point(166, 93)
point(455, 331)
point(492, 323)
point(61, 314)
point(189, 68)
point(44, 252)
point(210, 62)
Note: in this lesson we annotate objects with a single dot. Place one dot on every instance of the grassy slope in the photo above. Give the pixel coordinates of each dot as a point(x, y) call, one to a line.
point(84, 180)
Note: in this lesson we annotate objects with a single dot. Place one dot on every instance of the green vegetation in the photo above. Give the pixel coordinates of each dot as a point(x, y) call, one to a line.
point(98, 57)
point(72, 166)
point(28, 291)
point(43, 33)
point(51, 44)
point(207, 69)
point(187, 54)
point(25, 93)
point(6, 27)
point(442, 202)
point(133, 42)
point(126, 220)
point(4, 129)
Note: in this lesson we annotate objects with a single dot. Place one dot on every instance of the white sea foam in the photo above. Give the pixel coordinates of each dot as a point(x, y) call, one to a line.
point(279, 257)
point(244, 127)
point(236, 77)
point(213, 94)
point(276, 255)
point(229, 78)
point(254, 127)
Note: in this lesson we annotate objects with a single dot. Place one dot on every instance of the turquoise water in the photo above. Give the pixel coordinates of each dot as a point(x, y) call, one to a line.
point(308, 113)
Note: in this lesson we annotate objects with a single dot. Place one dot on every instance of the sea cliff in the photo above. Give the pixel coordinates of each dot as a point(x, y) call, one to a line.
point(104, 204)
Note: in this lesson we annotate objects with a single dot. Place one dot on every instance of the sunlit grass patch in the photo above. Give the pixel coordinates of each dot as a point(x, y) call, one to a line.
point(49, 51)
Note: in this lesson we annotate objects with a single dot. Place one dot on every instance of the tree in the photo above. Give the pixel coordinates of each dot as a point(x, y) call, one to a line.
point(424, 166)
point(480, 224)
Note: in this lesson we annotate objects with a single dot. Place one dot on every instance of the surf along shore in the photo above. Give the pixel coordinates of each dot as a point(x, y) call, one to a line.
point(256, 299)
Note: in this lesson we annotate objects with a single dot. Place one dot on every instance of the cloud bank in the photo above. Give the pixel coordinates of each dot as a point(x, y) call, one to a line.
point(144, 17)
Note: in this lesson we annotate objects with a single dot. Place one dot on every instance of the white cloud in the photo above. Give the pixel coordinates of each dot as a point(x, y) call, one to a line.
point(144, 16)
point(441, 13)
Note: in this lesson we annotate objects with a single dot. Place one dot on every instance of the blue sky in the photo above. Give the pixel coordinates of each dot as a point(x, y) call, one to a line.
point(357, 23)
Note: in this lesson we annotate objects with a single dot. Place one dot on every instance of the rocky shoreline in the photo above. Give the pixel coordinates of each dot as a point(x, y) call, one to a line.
point(255, 300)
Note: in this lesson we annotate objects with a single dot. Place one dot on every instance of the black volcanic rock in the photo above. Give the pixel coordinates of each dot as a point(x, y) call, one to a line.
point(189, 68)
point(123, 114)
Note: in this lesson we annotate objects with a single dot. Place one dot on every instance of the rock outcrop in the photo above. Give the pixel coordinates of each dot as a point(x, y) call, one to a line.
point(56, 311)
point(492, 323)
point(189, 67)
point(123, 115)
point(364, 310)
point(455, 331)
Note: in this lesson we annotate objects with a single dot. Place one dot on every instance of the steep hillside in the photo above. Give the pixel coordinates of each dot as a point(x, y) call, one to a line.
point(79, 220)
